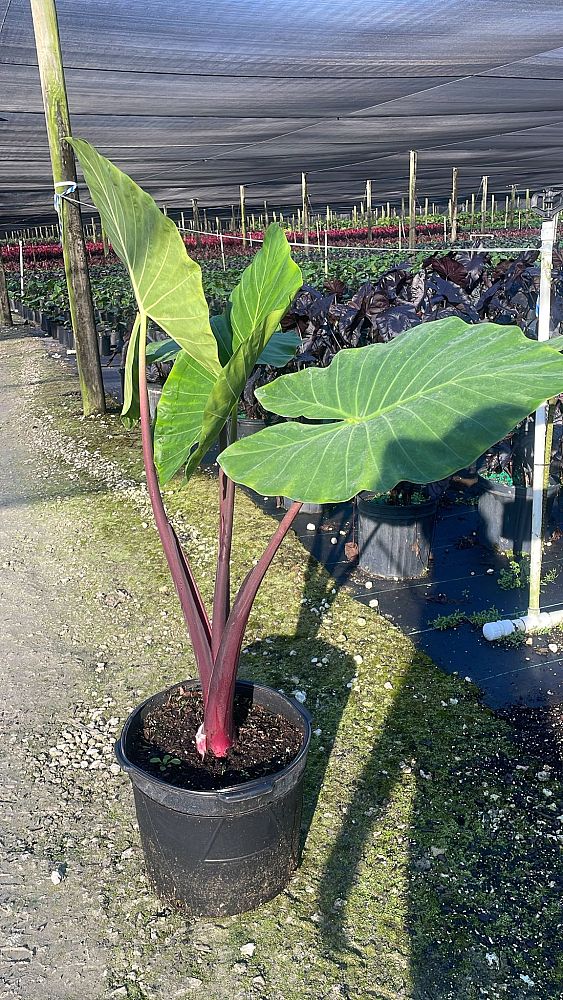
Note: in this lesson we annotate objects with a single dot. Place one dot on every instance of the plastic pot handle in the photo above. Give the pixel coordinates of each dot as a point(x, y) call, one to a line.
point(266, 787)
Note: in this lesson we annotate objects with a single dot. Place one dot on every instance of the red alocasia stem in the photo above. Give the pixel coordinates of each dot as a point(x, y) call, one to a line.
point(222, 594)
point(218, 721)
point(186, 588)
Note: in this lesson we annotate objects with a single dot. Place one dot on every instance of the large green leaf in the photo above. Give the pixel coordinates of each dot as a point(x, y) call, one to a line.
point(418, 408)
point(280, 348)
point(265, 286)
point(179, 416)
point(261, 296)
point(166, 282)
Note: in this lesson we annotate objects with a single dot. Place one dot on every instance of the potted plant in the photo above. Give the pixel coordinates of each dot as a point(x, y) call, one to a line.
point(395, 531)
point(505, 501)
point(220, 834)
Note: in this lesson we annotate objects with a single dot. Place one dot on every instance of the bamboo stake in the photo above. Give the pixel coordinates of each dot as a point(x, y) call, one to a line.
point(412, 198)
point(485, 183)
point(368, 209)
point(5, 312)
point(305, 211)
point(64, 170)
point(195, 219)
point(453, 233)
point(512, 204)
point(492, 210)
point(242, 214)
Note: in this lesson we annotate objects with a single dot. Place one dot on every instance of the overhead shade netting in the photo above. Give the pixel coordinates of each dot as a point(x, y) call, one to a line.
point(195, 99)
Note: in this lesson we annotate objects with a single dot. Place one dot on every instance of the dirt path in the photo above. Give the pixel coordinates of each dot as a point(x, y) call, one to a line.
point(44, 950)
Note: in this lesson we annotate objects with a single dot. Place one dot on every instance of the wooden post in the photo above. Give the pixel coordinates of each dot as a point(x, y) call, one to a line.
point(64, 170)
point(242, 214)
point(453, 231)
point(492, 210)
point(472, 210)
point(425, 207)
point(506, 212)
point(389, 211)
point(485, 184)
point(195, 219)
point(265, 215)
point(233, 220)
point(412, 198)
point(512, 203)
point(368, 209)
point(527, 199)
point(182, 221)
point(305, 211)
point(5, 313)
point(205, 219)
point(164, 211)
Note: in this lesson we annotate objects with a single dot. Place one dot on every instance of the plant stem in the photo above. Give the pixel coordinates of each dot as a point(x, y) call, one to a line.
point(186, 588)
point(222, 594)
point(219, 710)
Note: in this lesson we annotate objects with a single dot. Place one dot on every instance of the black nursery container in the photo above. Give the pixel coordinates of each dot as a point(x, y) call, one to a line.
point(505, 514)
point(394, 541)
point(213, 853)
point(249, 425)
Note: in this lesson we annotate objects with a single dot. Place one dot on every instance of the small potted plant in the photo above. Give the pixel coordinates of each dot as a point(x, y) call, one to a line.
point(505, 501)
point(220, 829)
point(395, 531)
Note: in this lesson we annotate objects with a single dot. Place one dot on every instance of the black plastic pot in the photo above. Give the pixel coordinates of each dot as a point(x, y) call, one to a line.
point(248, 425)
point(220, 852)
point(104, 344)
point(505, 514)
point(155, 392)
point(394, 541)
point(306, 508)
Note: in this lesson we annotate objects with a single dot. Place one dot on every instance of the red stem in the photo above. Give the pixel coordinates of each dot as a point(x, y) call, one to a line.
point(219, 709)
point(188, 593)
point(222, 595)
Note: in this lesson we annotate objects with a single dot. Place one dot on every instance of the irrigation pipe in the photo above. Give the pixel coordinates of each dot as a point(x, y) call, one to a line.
point(535, 618)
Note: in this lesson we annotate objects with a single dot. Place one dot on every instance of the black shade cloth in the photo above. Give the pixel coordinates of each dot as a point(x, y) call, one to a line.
point(194, 99)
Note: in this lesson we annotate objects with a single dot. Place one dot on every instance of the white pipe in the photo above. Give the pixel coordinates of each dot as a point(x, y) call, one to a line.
point(548, 230)
point(527, 623)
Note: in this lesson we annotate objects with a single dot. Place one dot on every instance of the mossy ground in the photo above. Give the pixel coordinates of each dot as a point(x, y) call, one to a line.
point(432, 850)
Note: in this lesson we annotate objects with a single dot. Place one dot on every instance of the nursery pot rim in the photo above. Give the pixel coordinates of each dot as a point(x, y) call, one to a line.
point(255, 786)
point(505, 489)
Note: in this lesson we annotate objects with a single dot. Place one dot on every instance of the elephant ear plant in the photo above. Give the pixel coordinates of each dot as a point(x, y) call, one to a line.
point(419, 408)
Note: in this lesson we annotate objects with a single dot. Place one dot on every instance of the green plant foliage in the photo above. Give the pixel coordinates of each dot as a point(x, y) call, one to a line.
point(418, 408)
point(191, 412)
point(166, 282)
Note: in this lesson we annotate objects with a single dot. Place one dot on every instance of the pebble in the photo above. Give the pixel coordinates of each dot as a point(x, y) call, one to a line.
point(333, 540)
point(248, 949)
point(553, 647)
point(388, 686)
point(300, 696)
point(22, 954)
point(369, 585)
point(358, 659)
point(310, 526)
point(374, 603)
